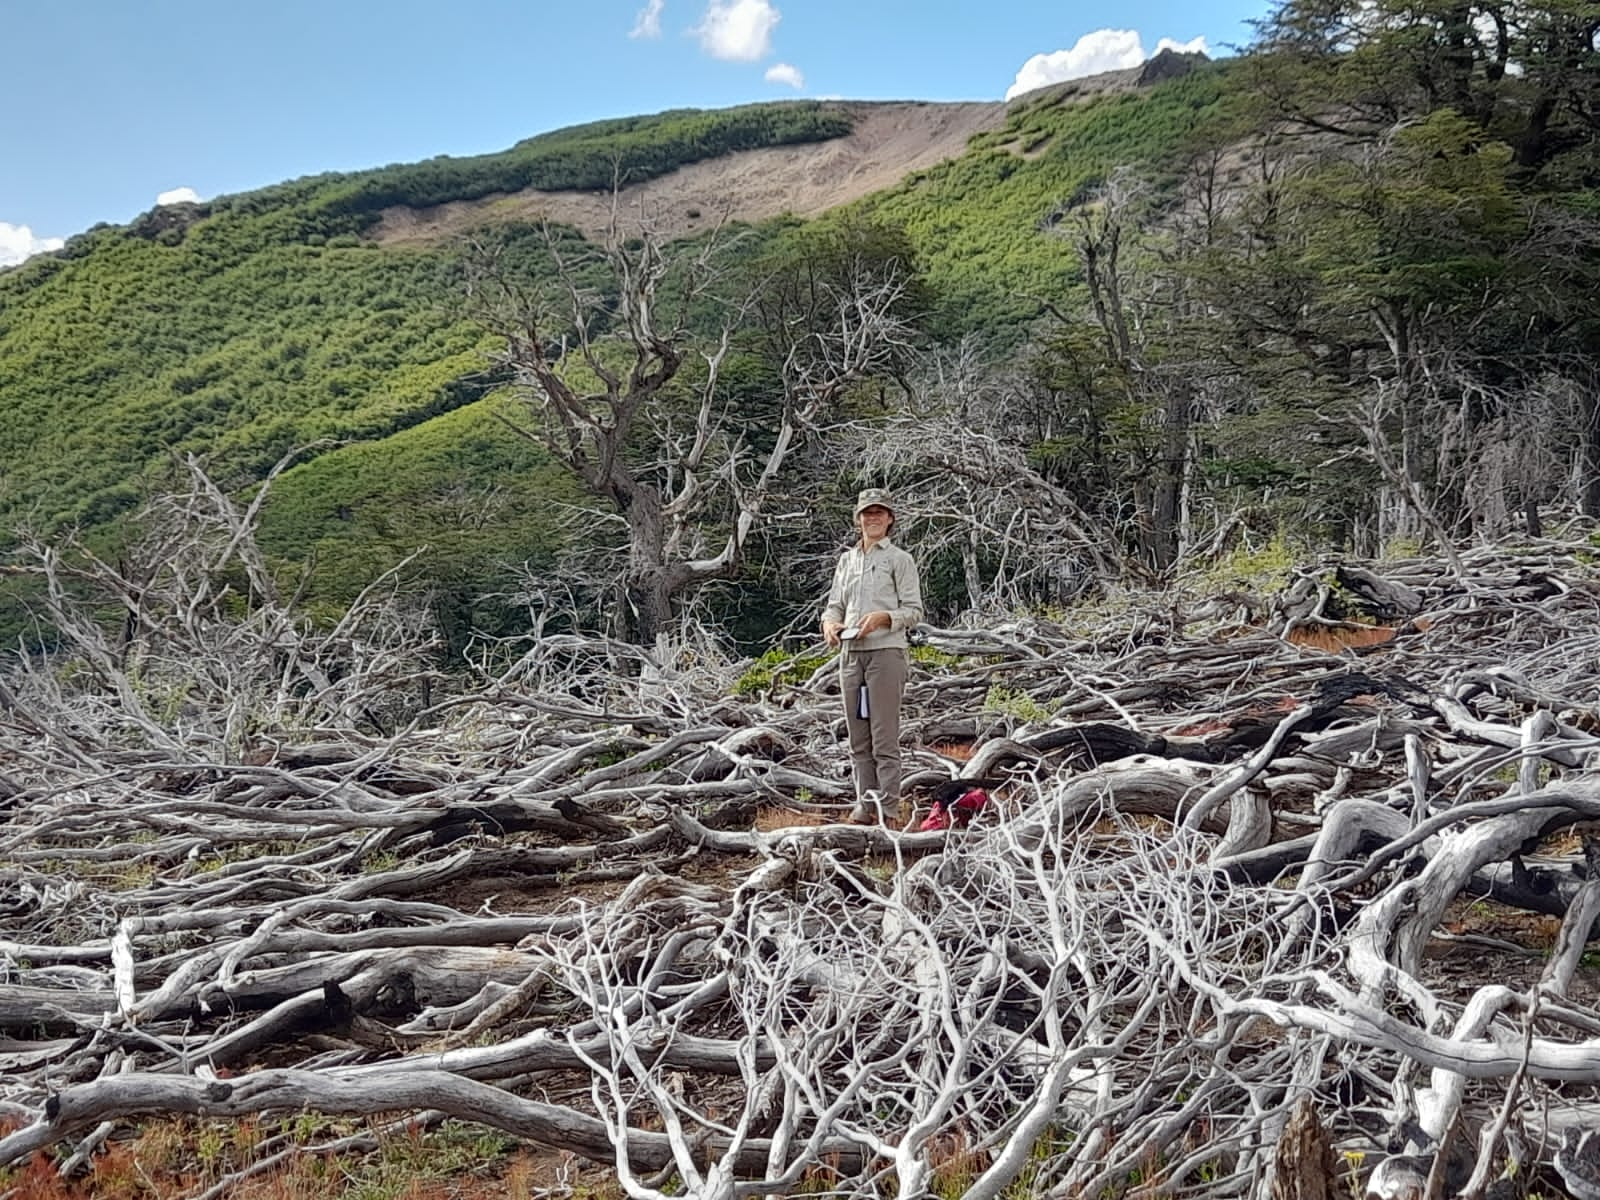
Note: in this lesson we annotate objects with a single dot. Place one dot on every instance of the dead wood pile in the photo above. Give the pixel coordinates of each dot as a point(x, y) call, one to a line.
point(1216, 932)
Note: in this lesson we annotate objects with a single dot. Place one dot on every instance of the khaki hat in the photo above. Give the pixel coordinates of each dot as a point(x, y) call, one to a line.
point(866, 498)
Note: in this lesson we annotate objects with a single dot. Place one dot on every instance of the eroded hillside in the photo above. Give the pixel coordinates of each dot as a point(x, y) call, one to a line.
point(889, 141)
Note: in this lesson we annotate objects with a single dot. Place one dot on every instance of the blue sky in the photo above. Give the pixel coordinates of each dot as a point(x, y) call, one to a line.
point(112, 105)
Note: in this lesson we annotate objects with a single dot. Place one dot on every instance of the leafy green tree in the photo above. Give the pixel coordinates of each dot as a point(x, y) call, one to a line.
point(1526, 74)
point(1478, 117)
point(1383, 270)
point(1123, 369)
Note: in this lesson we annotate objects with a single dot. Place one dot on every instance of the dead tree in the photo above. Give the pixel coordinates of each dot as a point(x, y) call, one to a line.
point(624, 385)
point(190, 639)
point(1019, 538)
point(1105, 235)
point(1224, 877)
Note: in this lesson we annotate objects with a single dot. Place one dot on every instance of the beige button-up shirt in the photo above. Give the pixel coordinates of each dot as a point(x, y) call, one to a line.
point(885, 578)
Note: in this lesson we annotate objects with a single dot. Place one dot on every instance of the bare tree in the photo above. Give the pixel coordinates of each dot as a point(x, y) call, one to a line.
point(1133, 314)
point(1131, 369)
point(186, 637)
point(624, 384)
point(961, 458)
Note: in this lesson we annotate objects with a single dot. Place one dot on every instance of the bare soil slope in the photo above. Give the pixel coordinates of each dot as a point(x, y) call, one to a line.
point(890, 140)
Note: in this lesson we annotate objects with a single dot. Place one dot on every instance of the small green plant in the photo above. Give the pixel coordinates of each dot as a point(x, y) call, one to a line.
point(208, 1146)
point(134, 875)
point(956, 1164)
point(242, 852)
point(881, 869)
point(610, 755)
point(1264, 568)
point(939, 661)
point(1011, 702)
point(1402, 547)
point(776, 667)
point(305, 1126)
point(1048, 1147)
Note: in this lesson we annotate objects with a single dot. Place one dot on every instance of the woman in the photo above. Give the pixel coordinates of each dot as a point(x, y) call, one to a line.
point(876, 596)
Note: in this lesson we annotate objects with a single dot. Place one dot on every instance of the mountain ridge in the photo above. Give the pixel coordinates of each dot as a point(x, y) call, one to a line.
point(888, 141)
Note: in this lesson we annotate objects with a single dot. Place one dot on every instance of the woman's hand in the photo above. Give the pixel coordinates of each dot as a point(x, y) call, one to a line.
point(874, 621)
point(830, 632)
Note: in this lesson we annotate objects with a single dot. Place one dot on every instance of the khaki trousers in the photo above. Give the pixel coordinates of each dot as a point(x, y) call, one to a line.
point(875, 737)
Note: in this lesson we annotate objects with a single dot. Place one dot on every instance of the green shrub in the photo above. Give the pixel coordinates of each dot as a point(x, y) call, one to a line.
point(1016, 704)
point(940, 662)
point(777, 667)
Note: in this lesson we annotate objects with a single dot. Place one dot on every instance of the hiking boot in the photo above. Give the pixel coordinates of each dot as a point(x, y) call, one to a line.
point(865, 810)
point(873, 809)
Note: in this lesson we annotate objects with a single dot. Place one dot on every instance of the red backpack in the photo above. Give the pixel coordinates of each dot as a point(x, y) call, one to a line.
point(957, 812)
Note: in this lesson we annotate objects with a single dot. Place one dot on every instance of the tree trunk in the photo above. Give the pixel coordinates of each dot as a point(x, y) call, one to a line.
point(647, 606)
point(647, 586)
point(969, 569)
point(1589, 488)
point(1168, 491)
point(1303, 1167)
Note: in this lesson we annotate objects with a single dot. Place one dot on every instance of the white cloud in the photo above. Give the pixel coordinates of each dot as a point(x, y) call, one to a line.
point(18, 242)
point(648, 23)
point(738, 30)
point(1192, 46)
point(182, 195)
point(1102, 50)
point(784, 73)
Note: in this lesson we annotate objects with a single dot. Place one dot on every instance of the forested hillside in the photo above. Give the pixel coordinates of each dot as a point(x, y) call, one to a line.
point(1336, 291)
point(257, 323)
